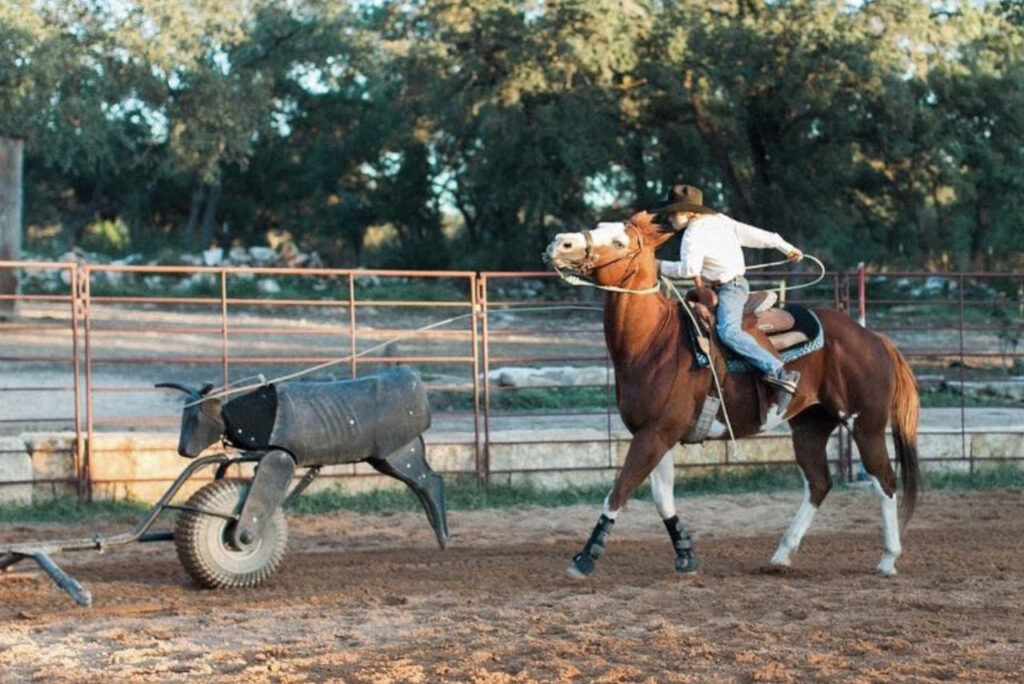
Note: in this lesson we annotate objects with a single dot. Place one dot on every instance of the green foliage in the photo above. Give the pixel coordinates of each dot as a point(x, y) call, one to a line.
point(70, 510)
point(985, 476)
point(108, 237)
point(469, 133)
point(464, 493)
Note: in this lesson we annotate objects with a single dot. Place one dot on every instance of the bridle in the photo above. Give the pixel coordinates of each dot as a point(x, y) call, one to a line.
point(587, 264)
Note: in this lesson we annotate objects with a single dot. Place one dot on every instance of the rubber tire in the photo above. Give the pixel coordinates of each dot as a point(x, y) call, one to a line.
point(201, 540)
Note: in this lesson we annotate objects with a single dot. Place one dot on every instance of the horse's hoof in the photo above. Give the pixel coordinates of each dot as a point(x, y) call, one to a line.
point(887, 568)
point(780, 559)
point(687, 564)
point(581, 567)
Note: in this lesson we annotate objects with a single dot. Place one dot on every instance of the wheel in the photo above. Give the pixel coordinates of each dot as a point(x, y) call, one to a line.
point(204, 542)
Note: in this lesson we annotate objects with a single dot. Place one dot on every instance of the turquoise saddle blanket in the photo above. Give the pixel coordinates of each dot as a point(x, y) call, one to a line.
point(806, 322)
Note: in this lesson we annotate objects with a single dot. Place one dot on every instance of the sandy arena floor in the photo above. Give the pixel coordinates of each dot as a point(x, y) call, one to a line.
point(370, 598)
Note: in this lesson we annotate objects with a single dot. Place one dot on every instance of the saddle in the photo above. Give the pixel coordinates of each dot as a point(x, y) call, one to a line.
point(323, 423)
point(788, 333)
point(775, 329)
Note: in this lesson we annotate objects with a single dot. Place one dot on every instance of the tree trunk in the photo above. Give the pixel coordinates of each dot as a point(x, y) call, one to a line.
point(11, 157)
point(193, 213)
point(206, 234)
point(743, 207)
point(638, 169)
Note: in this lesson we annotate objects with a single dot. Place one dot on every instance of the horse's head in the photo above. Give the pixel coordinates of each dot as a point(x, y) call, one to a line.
point(611, 253)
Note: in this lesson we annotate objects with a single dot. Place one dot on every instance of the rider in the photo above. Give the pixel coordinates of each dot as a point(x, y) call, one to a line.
point(712, 254)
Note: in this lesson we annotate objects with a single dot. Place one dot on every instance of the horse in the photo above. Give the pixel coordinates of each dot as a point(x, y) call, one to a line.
point(858, 377)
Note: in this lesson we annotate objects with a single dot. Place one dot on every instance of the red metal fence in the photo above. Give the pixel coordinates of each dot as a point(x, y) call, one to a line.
point(90, 341)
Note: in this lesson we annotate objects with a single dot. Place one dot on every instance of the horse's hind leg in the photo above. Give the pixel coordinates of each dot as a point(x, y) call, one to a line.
point(811, 430)
point(869, 434)
point(663, 491)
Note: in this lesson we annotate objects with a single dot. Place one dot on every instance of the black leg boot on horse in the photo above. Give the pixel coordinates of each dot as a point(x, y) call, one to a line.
point(686, 557)
point(584, 562)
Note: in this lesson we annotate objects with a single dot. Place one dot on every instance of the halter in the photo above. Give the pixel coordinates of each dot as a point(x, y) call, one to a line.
point(587, 264)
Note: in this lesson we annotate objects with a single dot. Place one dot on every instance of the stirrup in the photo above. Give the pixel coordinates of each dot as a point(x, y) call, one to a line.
point(787, 383)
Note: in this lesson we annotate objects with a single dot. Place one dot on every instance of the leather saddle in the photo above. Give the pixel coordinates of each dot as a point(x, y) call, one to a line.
point(761, 318)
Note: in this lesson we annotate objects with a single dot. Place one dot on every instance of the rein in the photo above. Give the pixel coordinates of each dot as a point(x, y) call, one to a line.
point(579, 281)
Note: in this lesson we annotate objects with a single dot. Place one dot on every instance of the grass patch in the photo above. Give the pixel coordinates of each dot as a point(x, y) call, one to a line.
point(71, 510)
point(986, 476)
point(943, 398)
point(464, 494)
point(530, 399)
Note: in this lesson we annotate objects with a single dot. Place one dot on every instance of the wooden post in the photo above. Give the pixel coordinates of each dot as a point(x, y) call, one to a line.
point(11, 155)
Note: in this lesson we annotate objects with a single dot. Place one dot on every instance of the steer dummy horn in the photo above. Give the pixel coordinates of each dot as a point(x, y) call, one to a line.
point(174, 385)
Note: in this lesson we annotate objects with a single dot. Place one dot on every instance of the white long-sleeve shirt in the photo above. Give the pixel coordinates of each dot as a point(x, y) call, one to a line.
point(712, 248)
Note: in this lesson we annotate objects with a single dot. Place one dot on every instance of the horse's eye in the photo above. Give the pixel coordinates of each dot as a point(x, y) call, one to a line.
point(621, 244)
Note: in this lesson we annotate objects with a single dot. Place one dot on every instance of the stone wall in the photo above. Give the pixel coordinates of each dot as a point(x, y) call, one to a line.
point(141, 466)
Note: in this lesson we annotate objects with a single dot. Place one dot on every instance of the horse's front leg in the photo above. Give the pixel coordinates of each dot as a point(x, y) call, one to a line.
point(645, 451)
point(663, 491)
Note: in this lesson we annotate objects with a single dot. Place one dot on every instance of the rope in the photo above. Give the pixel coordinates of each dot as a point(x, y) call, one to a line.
point(711, 363)
point(581, 282)
point(230, 389)
point(821, 276)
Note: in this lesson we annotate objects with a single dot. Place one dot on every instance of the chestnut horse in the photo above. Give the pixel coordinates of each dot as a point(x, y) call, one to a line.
point(858, 378)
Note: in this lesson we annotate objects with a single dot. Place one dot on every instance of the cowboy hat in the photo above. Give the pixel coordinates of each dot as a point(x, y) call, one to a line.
point(682, 198)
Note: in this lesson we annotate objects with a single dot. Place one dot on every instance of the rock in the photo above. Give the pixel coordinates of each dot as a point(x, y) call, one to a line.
point(262, 255)
point(557, 376)
point(213, 257)
point(239, 256)
point(268, 286)
point(1007, 389)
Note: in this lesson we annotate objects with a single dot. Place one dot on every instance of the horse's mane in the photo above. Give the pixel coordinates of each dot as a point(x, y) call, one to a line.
point(643, 220)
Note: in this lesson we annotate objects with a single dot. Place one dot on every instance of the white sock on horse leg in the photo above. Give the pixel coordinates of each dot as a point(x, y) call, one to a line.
point(801, 521)
point(608, 512)
point(890, 529)
point(663, 486)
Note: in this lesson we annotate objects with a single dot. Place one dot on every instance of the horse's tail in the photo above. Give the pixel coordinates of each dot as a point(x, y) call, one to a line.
point(906, 410)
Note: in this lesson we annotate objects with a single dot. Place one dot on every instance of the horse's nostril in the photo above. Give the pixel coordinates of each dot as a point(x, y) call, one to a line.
point(567, 245)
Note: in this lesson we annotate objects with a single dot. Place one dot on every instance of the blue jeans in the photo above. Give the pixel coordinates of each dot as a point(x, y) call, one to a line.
point(731, 299)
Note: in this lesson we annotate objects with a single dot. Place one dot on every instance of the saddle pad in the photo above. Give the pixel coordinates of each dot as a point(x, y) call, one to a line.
point(806, 322)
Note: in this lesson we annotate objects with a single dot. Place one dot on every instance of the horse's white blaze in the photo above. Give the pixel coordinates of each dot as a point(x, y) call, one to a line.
point(662, 481)
point(610, 234)
point(890, 529)
point(566, 248)
point(801, 521)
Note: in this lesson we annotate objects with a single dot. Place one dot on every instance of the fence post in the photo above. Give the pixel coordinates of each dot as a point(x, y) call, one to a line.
point(224, 324)
point(474, 294)
point(79, 449)
point(483, 466)
point(965, 452)
point(86, 294)
point(862, 304)
point(352, 321)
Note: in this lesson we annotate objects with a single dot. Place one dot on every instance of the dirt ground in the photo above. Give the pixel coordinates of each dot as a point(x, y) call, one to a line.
point(371, 599)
